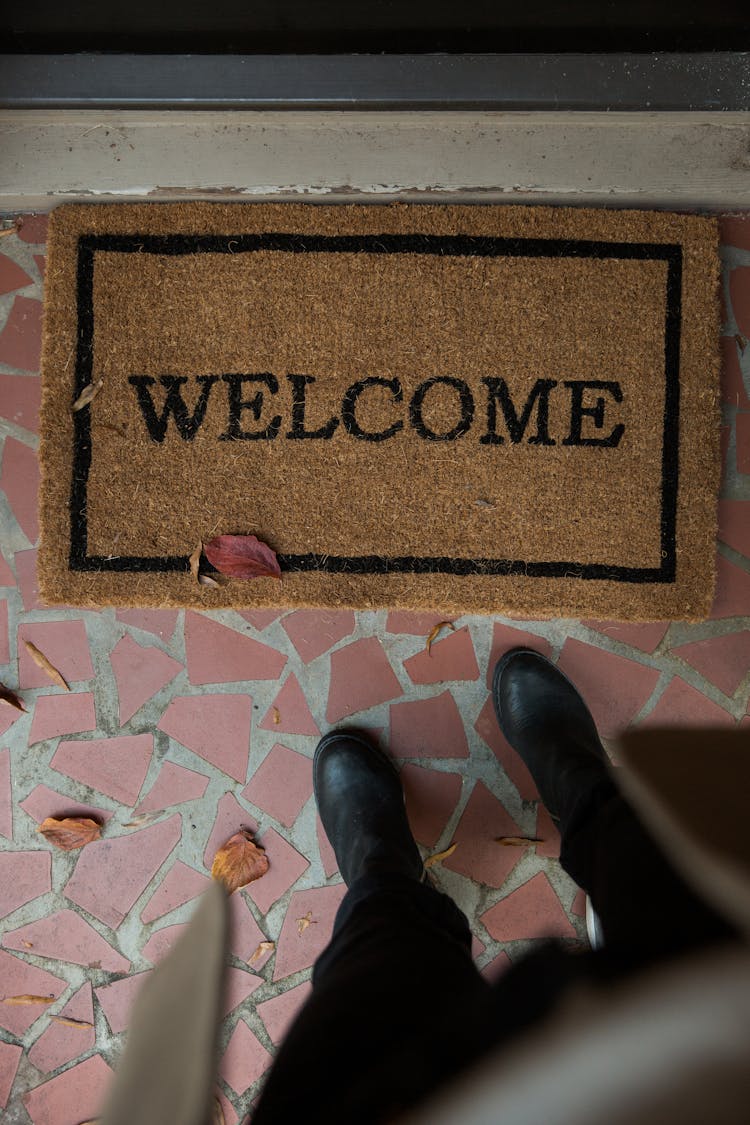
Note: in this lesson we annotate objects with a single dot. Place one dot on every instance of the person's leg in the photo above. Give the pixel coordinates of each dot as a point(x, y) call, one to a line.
point(397, 1003)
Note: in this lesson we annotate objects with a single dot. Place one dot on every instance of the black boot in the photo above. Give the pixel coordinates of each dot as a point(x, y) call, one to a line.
point(546, 721)
point(361, 805)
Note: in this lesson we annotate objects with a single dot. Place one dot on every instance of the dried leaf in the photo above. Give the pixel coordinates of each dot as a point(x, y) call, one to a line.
point(741, 341)
point(28, 998)
point(276, 716)
point(440, 856)
point(440, 625)
point(10, 697)
point(240, 861)
point(42, 662)
point(517, 841)
point(263, 948)
point(303, 923)
point(207, 580)
point(144, 818)
point(195, 561)
point(71, 832)
point(217, 1114)
point(8, 230)
point(68, 1022)
point(28, 944)
point(88, 394)
point(242, 556)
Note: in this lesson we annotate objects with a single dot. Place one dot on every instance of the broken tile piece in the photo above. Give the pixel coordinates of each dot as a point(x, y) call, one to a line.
point(315, 631)
point(734, 525)
point(646, 637)
point(327, 854)
point(238, 985)
point(732, 589)
point(260, 619)
point(175, 785)
point(6, 574)
point(112, 873)
point(117, 999)
point(66, 646)
point(431, 797)
point(140, 672)
point(244, 1060)
point(21, 338)
point(449, 658)
point(723, 661)
point(20, 396)
point(66, 936)
point(27, 579)
point(245, 935)
point(43, 802)
point(614, 687)
point(414, 624)
point(215, 727)
point(115, 766)
point(19, 978)
point(285, 865)
point(162, 942)
point(60, 1044)
point(532, 911)
point(6, 797)
point(33, 228)
point(4, 645)
point(75, 1095)
point(290, 713)
point(683, 706)
point(506, 637)
point(19, 480)
point(23, 877)
point(160, 622)
point(280, 1012)
point(361, 677)
point(181, 884)
point(230, 818)
point(281, 784)
point(12, 277)
point(298, 950)
point(428, 728)
point(10, 1055)
point(55, 715)
point(477, 854)
point(219, 655)
point(488, 730)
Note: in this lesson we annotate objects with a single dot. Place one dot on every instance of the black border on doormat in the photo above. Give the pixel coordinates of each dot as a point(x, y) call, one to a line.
point(456, 245)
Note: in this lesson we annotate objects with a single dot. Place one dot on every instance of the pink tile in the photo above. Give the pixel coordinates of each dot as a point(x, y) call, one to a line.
point(646, 637)
point(230, 818)
point(111, 874)
point(289, 713)
point(6, 796)
point(10, 1056)
point(65, 936)
point(162, 942)
point(506, 637)
point(298, 950)
point(160, 622)
point(117, 1000)
point(4, 645)
point(735, 230)
point(451, 658)
point(725, 437)
point(281, 784)
point(218, 655)
point(327, 855)
point(41, 264)
point(280, 1012)
point(723, 661)
point(60, 1044)
point(23, 877)
point(285, 865)
point(497, 967)
point(230, 1116)
point(12, 277)
point(245, 935)
point(260, 619)
point(739, 295)
point(532, 911)
point(19, 400)
point(19, 481)
point(732, 590)
point(215, 727)
point(431, 797)
point(742, 437)
point(175, 785)
point(477, 947)
point(27, 579)
point(244, 1060)
point(33, 228)
point(6, 574)
point(428, 728)
point(579, 904)
point(683, 706)
point(75, 1095)
point(139, 673)
point(488, 730)
point(546, 830)
point(62, 714)
point(65, 645)
point(21, 979)
point(238, 985)
point(478, 855)
point(361, 677)
point(614, 687)
point(733, 389)
point(115, 766)
point(21, 339)
point(181, 884)
point(8, 716)
point(734, 524)
point(314, 631)
point(43, 802)
point(415, 624)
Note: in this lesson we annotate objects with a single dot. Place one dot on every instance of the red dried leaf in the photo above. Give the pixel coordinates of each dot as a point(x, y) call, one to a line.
point(242, 556)
point(71, 832)
point(239, 862)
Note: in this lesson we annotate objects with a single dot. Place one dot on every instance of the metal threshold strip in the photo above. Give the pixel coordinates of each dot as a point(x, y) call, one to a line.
point(710, 81)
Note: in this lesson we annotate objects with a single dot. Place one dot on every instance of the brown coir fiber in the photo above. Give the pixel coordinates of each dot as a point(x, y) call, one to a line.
point(487, 409)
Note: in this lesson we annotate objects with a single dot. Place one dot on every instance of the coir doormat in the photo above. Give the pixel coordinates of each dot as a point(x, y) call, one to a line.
point(488, 409)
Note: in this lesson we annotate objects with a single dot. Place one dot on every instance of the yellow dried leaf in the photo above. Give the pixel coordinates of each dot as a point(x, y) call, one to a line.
point(10, 697)
point(217, 1113)
point(263, 948)
point(71, 832)
point(303, 923)
point(42, 662)
point(195, 561)
point(207, 580)
point(434, 632)
point(239, 861)
point(28, 998)
point(28, 944)
point(88, 394)
point(517, 841)
point(276, 716)
point(67, 1021)
point(440, 856)
point(143, 818)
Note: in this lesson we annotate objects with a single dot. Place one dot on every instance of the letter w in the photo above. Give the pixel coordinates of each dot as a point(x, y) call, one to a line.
point(174, 404)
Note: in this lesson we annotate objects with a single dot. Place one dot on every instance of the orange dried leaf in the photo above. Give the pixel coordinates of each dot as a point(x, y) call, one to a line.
point(517, 841)
point(42, 662)
point(28, 944)
point(238, 862)
point(264, 947)
point(276, 716)
point(28, 998)
point(71, 832)
point(144, 818)
point(10, 697)
point(195, 561)
point(303, 923)
point(242, 556)
point(440, 856)
point(67, 1021)
point(434, 632)
point(88, 394)
point(217, 1113)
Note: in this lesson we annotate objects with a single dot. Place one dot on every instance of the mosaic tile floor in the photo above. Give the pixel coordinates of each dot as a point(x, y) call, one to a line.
point(208, 722)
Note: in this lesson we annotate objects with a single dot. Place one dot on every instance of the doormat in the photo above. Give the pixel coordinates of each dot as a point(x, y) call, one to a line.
point(486, 409)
